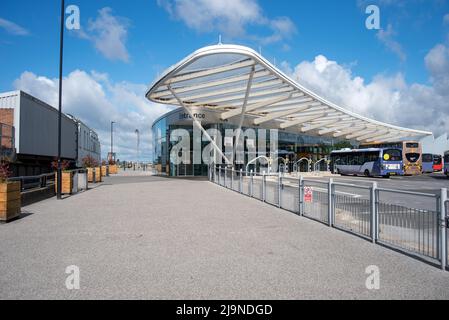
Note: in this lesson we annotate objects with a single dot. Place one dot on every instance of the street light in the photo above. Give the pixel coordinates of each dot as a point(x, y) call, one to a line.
point(138, 143)
point(112, 140)
point(61, 51)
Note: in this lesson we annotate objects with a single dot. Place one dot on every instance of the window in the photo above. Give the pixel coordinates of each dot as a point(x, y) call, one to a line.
point(393, 155)
point(412, 157)
point(412, 145)
point(427, 157)
point(437, 159)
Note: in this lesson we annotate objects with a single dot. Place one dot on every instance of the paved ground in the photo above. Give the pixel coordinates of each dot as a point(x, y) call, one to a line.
point(157, 238)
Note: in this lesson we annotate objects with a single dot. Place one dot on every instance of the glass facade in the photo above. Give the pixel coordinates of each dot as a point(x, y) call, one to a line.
point(291, 146)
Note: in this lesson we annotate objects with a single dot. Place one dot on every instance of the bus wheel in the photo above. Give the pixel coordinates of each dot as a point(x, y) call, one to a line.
point(366, 173)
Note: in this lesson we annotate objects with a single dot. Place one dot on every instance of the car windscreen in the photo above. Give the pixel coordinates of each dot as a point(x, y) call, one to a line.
point(427, 157)
point(392, 155)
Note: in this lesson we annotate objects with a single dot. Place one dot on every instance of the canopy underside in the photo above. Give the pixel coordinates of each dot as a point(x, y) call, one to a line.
point(237, 81)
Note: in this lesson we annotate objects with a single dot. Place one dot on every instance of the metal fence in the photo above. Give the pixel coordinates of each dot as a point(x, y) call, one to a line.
point(415, 223)
point(30, 183)
point(352, 206)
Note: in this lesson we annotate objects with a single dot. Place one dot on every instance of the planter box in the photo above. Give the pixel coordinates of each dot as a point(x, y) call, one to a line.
point(10, 201)
point(104, 171)
point(90, 175)
point(113, 169)
point(67, 183)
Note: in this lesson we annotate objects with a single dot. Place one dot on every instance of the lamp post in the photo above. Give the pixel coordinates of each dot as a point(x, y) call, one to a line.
point(138, 144)
point(61, 51)
point(112, 140)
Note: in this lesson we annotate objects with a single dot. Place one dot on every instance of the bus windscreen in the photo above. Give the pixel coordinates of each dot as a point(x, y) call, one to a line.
point(392, 155)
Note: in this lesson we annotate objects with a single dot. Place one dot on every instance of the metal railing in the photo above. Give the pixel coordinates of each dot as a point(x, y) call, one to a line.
point(418, 226)
point(28, 183)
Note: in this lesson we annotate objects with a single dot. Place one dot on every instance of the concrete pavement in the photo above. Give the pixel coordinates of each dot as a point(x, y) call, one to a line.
point(158, 238)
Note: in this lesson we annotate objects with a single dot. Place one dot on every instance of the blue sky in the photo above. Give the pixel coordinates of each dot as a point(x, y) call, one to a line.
point(123, 45)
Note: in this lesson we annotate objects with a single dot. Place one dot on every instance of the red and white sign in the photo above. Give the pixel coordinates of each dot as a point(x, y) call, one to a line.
point(308, 194)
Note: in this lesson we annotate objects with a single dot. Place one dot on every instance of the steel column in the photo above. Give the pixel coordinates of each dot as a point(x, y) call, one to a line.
point(443, 231)
point(373, 212)
point(330, 203)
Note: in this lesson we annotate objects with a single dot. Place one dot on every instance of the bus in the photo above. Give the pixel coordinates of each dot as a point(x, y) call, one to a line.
point(446, 163)
point(437, 163)
point(427, 163)
point(411, 154)
point(384, 162)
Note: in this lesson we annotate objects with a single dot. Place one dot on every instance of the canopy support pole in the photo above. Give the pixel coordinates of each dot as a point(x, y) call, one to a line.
point(198, 124)
point(242, 117)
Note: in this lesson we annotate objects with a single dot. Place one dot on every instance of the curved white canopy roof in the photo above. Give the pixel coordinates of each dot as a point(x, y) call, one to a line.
point(237, 81)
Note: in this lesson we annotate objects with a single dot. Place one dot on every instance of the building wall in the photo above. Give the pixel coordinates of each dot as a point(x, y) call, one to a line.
point(7, 128)
point(434, 145)
point(291, 144)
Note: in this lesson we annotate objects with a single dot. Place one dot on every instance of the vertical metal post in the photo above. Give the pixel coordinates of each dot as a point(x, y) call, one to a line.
point(219, 175)
point(330, 204)
point(263, 187)
point(373, 213)
point(442, 224)
point(94, 175)
point(232, 178)
point(225, 176)
point(301, 195)
point(112, 140)
point(61, 56)
point(241, 180)
point(279, 189)
point(252, 184)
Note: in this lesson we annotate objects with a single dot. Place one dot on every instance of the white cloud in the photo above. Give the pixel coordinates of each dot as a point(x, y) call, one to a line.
point(387, 38)
point(108, 33)
point(97, 101)
point(385, 98)
point(13, 28)
point(230, 17)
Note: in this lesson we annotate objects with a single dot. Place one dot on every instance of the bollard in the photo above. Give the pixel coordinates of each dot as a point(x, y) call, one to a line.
point(373, 212)
point(219, 175)
point(94, 175)
point(232, 178)
point(443, 231)
point(330, 202)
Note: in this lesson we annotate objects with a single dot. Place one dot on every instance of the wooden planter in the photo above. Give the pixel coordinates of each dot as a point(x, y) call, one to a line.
point(113, 169)
point(67, 183)
point(10, 201)
point(90, 175)
point(104, 171)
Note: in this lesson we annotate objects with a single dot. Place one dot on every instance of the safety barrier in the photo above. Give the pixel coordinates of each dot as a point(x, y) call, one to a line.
point(417, 226)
